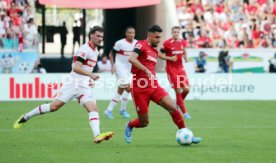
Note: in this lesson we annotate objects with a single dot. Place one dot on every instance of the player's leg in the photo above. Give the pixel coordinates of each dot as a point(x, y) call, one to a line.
point(179, 100)
point(123, 90)
point(176, 82)
point(184, 93)
point(89, 104)
point(124, 102)
point(141, 102)
point(113, 103)
point(39, 110)
point(124, 82)
point(65, 95)
point(183, 84)
point(167, 103)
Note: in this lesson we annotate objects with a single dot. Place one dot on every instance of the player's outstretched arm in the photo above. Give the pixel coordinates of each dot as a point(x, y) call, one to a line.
point(134, 61)
point(77, 68)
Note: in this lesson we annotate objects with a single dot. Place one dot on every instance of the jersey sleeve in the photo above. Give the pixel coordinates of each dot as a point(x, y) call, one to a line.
point(82, 55)
point(138, 48)
point(117, 46)
point(164, 47)
point(184, 43)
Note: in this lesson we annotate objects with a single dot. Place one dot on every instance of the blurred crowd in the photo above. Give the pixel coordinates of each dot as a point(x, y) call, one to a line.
point(228, 23)
point(17, 27)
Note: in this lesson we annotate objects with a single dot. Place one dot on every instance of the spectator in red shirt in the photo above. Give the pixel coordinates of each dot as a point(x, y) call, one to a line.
point(12, 12)
point(195, 5)
point(204, 41)
point(256, 33)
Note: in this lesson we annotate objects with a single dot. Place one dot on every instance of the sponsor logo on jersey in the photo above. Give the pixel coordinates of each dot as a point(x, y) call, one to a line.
point(152, 59)
point(177, 52)
point(90, 63)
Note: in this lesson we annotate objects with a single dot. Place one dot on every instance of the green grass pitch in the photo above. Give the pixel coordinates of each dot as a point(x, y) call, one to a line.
point(232, 131)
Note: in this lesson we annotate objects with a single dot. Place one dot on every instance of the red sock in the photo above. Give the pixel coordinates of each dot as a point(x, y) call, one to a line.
point(177, 118)
point(180, 102)
point(135, 123)
point(184, 95)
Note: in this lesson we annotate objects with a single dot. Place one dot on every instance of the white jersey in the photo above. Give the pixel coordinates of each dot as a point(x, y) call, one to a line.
point(90, 57)
point(123, 48)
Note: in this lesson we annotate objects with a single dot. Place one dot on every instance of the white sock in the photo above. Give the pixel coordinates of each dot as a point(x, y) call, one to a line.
point(124, 100)
point(113, 102)
point(45, 108)
point(94, 121)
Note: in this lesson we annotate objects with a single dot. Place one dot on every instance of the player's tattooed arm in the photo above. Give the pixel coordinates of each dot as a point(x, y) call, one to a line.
point(111, 58)
point(134, 61)
point(77, 68)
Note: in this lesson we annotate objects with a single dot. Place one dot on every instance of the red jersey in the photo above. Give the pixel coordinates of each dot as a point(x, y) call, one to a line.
point(147, 56)
point(172, 48)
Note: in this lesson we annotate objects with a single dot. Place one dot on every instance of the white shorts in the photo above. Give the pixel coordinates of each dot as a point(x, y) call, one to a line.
point(123, 75)
point(69, 92)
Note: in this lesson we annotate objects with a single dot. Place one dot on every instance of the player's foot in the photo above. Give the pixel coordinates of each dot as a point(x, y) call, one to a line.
point(109, 114)
point(128, 133)
point(103, 136)
point(187, 116)
point(196, 140)
point(19, 122)
point(124, 114)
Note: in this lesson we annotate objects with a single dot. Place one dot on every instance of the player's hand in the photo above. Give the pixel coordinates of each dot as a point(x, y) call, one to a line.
point(186, 60)
point(113, 69)
point(91, 83)
point(94, 76)
point(150, 75)
point(161, 56)
point(174, 58)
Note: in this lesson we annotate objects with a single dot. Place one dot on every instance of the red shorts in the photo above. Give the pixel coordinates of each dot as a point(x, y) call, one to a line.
point(142, 96)
point(178, 78)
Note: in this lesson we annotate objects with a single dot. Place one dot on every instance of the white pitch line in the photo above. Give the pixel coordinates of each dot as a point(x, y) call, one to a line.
point(78, 129)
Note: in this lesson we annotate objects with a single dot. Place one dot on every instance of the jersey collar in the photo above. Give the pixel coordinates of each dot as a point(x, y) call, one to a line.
point(172, 40)
point(129, 41)
point(91, 46)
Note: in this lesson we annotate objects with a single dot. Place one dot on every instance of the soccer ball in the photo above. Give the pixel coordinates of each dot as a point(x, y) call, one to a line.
point(184, 136)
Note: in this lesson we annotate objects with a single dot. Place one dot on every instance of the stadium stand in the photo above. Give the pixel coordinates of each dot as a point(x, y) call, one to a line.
point(231, 24)
point(17, 27)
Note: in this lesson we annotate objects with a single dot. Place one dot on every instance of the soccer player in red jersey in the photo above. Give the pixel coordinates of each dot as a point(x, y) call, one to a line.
point(174, 49)
point(145, 87)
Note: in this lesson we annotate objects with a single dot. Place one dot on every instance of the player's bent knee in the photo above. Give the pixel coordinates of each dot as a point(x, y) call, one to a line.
point(171, 108)
point(56, 104)
point(186, 90)
point(87, 99)
point(144, 123)
point(54, 107)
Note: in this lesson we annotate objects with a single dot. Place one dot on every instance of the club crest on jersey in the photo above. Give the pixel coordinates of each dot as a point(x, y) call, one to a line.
point(82, 54)
point(138, 46)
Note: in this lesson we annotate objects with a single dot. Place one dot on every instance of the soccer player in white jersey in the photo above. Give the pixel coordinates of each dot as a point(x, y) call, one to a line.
point(77, 86)
point(121, 67)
